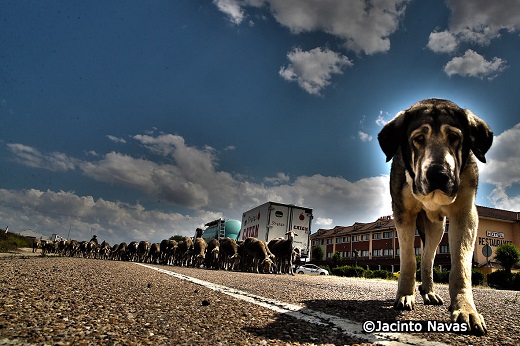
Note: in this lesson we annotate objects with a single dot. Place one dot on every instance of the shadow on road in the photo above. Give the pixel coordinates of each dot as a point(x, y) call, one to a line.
point(290, 329)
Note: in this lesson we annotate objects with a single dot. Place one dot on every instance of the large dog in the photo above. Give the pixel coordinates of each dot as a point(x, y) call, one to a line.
point(434, 175)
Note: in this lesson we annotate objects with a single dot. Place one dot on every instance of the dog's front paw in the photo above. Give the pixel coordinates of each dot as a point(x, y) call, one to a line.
point(471, 317)
point(404, 302)
point(432, 298)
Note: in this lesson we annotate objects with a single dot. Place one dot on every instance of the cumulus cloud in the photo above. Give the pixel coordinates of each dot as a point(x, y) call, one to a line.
point(116, 139)
point(479, 21)
point(503, 169)
point(32, 157)
point(475, 22)
point(191, 181)
point(364, 26)
point(324, 222)
point(278, 179)
point(442, 42)
point(364, 137)
point(472, 64)
point(313, 69)
point(50, 212)
point(503, 160)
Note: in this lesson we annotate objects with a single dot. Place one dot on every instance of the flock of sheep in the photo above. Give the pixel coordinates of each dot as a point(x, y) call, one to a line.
point(251, 255)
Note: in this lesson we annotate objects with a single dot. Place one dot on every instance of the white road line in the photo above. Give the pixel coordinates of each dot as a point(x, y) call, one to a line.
point(346, 326)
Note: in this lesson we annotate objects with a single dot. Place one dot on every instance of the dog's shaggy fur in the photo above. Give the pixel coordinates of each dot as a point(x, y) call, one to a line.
point(434, 175)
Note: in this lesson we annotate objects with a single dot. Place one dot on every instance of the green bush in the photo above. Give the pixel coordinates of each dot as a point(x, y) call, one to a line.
point(383, 274)
point(516, 282)
point(501, 279)
point(441, 276)
point(368, 274)
point(348, 271)
point(477, 278)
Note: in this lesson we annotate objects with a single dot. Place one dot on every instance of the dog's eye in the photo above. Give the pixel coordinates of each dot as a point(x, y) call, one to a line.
point(453, 138)
point(419, 140)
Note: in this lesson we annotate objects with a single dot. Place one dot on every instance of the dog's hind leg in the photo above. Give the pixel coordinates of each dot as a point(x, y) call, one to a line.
point(431, 233)
point(405, 299)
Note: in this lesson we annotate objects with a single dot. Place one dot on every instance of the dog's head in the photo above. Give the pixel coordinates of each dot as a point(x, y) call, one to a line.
point(436, 138)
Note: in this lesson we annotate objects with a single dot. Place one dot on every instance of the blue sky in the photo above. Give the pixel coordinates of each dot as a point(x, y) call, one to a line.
point(141, 120)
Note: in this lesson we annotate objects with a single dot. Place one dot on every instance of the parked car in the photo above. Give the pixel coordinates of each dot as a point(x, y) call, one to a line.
point(311, 269)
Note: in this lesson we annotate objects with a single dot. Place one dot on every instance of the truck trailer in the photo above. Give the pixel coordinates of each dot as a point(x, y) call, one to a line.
point(273, 220)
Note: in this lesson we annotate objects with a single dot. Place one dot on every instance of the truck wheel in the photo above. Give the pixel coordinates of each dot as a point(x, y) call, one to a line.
point(300, 272)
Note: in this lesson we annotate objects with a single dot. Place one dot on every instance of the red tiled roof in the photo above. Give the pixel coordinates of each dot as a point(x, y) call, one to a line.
point(388, 223)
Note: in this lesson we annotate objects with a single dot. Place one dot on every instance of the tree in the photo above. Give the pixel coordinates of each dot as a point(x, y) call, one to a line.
point(336, 257)
point(317, 253)
point(508, 255)
point(177, 238)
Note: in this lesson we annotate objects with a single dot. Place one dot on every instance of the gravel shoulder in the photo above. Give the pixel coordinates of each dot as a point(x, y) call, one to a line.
point(63, 301)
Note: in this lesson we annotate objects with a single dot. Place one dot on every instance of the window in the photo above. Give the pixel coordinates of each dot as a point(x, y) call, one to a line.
point(329, 254)
point(323, 242)
point(365, 237)
point(376, 236)
point(338, 240)
point(346, 239)
point(446, 227)
point(388, 235)
point(376, 253)
point(346, 254)
point(417, 250)
point(416, 231)
point(397, 252)
point(388, 252)
point(355, 238)
point(364, 253)
point(329, 241)
point(444, 249)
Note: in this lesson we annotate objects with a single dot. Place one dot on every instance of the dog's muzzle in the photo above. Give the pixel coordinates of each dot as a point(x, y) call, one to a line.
point(438, 178)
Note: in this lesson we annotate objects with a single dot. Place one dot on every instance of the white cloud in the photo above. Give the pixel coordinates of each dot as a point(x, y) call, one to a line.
point(442, 42)
point(476, 22)
point(192, 182)
point(49, 212)
point(313, 69)
point(32, 157)
point(503, 169)
point(479, 21)
point(502, 200)
point(503, 160)
point(364, 137)
point(234, 9)
point(116, 139)
point(472, 64)
point(363, 25)
point(279, 179)
point(325, 222)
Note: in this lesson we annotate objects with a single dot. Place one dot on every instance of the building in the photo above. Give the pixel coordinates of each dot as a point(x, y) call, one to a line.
point(377, 245)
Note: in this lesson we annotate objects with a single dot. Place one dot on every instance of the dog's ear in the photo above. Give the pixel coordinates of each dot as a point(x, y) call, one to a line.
point(480, 135)
point(390, 136)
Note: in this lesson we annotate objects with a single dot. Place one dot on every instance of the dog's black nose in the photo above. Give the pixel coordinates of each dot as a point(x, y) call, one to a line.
point(438, 177)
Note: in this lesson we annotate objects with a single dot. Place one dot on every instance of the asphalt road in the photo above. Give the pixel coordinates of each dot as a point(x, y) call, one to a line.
point(78, 301)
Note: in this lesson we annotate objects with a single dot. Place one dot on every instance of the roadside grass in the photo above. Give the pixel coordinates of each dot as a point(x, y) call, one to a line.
point(10, 242)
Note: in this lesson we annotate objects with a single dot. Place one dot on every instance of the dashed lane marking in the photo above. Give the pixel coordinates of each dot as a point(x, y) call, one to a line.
point(346, 326)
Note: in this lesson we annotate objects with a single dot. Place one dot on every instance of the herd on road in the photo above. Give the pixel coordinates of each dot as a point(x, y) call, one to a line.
point(249, 255)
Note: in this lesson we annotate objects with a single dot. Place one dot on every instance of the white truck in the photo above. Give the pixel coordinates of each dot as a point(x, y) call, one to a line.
point(273, 220)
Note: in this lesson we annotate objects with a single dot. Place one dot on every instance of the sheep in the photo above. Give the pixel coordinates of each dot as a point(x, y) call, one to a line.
point(199, 251)
point(228, 255)
point(283, 251)
point(212, 254)
point(142, 250)
point(257, 255)
point(154, 255)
